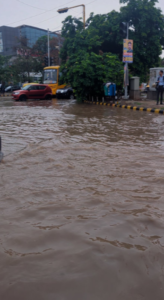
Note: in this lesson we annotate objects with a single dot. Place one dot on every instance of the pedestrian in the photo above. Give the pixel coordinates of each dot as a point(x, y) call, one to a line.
point(160, 87)
point(3, 88)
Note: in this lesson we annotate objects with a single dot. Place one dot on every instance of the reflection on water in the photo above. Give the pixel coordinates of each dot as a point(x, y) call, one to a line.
point(82, 205)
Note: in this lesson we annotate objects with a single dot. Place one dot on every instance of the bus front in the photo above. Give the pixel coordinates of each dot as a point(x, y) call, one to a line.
point(51, 78)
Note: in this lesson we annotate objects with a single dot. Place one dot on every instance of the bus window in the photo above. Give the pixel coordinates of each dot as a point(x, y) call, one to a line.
point(50, 76)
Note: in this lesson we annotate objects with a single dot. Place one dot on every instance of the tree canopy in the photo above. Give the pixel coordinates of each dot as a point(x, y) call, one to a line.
point(102, 39)
point(40, 48)
point(27, 60)
point(5, 70)
point(147, 31)
point(88, 71)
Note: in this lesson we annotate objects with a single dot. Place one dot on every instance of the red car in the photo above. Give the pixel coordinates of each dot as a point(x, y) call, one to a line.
point(38, 91)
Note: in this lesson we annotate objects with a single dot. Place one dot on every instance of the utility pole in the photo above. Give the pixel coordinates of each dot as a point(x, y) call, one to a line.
point(59, 51)
point(48, 37)
point(124, 31)
point(126, 64)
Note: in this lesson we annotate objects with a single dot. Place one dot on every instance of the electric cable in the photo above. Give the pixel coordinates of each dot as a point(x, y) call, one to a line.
point(45, 12)
point(57, 15)
point(31, 5)
point(39, 14)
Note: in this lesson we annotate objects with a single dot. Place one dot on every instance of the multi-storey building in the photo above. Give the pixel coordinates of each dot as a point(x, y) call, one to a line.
point(10, 36)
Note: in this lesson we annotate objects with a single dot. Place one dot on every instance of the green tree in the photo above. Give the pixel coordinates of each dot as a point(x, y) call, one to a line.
point(86, 72)
point(87, 61)
point(23, 66)
point(25, 62)
point(5, 69)
point(147, 31)
point(40, 49)
point(102, 35)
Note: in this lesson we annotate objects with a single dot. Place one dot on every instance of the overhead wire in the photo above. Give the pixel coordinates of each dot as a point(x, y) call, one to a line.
point(31, 5)
point(52, 18)
point(39, 13)
point(57, 15)
point(44, 13)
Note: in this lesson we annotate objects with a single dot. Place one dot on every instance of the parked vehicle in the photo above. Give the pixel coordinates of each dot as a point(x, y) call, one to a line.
point(38, 91)
point(65, 93)
point(51, 77)
point(12, 88)
point(27, 83)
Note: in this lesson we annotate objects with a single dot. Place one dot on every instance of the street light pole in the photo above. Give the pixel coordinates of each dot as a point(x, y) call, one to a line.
point(126, 64)
point(48, 36)
point(63, 10)
point(59, 52)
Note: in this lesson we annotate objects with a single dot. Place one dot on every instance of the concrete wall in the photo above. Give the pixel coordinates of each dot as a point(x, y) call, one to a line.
point(134, 95)
point(152, 95)
point(134, 92)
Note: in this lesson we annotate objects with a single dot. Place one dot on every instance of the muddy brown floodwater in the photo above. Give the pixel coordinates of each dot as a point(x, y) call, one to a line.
point(81, 202)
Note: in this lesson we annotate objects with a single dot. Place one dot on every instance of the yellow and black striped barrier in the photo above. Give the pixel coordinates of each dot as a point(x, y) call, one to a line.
point(6, 95)
point(153, 110)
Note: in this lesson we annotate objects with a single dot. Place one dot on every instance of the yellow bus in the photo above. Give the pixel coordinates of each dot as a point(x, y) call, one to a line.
point(51, 78)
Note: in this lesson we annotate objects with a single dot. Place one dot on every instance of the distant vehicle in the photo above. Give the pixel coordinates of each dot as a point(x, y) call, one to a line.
point(27, 83)
point(37, 91)
point(51, 77)
point(12, 88)
point(65, 93)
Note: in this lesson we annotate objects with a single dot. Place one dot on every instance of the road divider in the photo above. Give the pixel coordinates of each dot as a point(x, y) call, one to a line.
point(152, 110)
point(6, 95)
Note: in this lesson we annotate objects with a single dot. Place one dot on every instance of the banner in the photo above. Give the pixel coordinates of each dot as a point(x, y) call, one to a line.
point(128, 51)
point(1, 43)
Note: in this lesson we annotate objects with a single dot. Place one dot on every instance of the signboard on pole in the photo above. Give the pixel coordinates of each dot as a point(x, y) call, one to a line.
point(128, 51)
point(1, 43)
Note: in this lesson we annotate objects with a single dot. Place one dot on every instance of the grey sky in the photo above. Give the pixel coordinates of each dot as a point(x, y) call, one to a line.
point(43, 13)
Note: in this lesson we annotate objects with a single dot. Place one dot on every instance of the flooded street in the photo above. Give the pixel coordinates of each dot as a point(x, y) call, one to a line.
point(81, 202)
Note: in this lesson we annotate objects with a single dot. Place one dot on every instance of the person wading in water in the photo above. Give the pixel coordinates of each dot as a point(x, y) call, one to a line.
point(160, 87)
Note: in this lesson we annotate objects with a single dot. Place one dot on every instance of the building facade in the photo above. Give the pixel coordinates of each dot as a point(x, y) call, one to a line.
point(33, 34)
point(9, 37)
point(8, 40)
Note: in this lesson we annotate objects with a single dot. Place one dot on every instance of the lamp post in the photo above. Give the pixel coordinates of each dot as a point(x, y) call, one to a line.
point(126, 64)
point(124, 31)
point(63, 10)
point(48, 42)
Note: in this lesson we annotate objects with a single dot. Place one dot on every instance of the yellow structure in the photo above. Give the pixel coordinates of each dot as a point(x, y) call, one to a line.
point(51, 78)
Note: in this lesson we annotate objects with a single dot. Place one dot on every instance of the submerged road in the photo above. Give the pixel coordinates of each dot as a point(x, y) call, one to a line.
point(81, 202)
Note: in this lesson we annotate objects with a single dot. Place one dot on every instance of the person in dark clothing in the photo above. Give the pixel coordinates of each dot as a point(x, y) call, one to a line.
point(3, 88)
point(160, 87)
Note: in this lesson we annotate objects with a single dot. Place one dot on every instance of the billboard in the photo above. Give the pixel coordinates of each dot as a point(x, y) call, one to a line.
point(128, 51)
point(1, 43)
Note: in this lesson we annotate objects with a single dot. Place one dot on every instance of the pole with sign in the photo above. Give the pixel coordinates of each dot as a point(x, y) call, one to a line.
point(127, 58)
point(126, 68)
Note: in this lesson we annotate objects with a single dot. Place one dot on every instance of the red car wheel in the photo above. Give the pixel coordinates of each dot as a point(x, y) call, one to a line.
point(22, 98)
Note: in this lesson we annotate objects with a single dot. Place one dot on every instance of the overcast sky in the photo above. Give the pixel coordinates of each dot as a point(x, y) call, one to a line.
point(43, 13)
